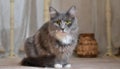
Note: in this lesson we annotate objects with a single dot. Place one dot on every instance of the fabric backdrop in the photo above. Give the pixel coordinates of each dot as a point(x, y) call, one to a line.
point(28, 16)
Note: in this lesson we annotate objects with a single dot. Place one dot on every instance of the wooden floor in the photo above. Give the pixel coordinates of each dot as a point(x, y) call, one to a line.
point(77, 63)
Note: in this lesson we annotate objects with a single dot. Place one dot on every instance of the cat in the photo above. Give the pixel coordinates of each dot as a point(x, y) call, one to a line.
point(53, 44)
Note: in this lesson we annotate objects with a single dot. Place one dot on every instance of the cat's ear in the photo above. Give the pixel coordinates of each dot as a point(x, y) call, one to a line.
point(72, 11)
point(53, 12)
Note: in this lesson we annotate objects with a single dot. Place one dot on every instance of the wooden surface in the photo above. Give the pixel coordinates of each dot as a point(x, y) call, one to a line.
point(77, 63)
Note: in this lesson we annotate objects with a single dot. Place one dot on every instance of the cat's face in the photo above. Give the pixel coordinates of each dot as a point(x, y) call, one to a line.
point(63, 21)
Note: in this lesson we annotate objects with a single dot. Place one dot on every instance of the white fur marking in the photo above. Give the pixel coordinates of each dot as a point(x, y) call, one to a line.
point(67, 39)
point(58, 66)
point(68, 66)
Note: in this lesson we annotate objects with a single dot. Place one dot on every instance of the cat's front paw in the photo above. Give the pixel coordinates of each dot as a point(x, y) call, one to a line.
point(58, 66)
point(67, 66)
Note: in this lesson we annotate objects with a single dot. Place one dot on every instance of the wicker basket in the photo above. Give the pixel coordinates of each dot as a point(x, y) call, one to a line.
point(87, 45)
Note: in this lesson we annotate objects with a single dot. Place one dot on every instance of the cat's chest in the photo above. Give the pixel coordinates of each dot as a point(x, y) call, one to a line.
point(67, 39)
point(64, 38)
point(64, 51)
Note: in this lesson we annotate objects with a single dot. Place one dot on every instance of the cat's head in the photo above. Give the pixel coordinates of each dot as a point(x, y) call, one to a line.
point(63, 21)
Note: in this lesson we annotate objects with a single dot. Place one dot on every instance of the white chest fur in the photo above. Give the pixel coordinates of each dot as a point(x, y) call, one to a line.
point(67, 39)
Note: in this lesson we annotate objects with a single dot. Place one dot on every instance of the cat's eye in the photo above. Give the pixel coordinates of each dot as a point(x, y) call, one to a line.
point(58, 21)
point(68, 22)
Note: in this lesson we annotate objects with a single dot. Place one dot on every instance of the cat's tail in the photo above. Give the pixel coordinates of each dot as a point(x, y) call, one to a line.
point(38, 62)
point(29, 62)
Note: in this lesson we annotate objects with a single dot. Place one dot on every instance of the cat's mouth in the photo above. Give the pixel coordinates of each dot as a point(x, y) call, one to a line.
point(62, 31)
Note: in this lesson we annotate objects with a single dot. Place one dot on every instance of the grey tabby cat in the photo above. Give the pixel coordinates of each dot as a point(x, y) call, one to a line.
point(53, 44)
